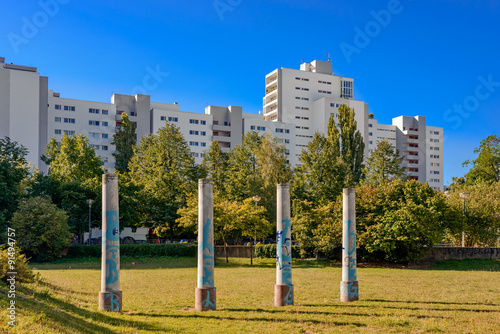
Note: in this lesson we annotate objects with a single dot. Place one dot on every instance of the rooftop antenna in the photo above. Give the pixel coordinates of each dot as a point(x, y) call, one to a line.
point(328, 56)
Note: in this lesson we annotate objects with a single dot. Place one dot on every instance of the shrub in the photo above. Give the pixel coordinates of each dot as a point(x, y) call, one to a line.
point(42, 229)
point(136, 250)
point(18, 263)
point(269, 251)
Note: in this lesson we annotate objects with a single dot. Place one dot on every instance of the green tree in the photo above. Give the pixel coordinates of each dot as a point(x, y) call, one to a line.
point(216, 164)
point(331, 163)
point(255, 168)
point(316, 228)
point(70, 196)
point(351, 142)
point(124, 141)
point(481, 222)
point(400, 221)
point(486, 167)
point(73, 159)
point(44, 229)
point(13, 169)
point(384, 164)
point(163, 167)
point(322, 173)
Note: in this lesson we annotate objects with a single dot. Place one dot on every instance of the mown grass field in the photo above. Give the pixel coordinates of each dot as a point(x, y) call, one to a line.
point(158, 296)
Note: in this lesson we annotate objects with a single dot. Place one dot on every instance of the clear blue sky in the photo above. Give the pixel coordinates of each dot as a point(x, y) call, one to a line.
point(422, 60)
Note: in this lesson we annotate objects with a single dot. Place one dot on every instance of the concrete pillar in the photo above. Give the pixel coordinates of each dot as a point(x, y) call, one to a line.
point(205, 291)
point(110, 296)
point(349, 283)
point(283, 289)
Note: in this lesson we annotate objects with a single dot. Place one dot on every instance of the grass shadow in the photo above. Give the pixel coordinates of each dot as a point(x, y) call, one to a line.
point(220, 316)
point(467, 265)
point(79, 320)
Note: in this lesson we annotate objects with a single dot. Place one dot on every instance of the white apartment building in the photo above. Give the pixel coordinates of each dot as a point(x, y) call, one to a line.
point(296, 105)
point(308, 97)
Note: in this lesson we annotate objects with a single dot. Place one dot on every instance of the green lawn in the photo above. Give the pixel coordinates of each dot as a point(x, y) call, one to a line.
point(158, 296)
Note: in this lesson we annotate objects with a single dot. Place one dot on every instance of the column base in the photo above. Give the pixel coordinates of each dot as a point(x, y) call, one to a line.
point(110, 301)
point(349, 291)
point(283, 295)
point(204, 299)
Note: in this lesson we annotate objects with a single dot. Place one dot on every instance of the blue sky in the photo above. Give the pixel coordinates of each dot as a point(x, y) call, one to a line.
point(424, 58)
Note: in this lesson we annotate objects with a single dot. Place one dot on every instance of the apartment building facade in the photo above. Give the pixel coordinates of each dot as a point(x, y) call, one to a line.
point(297, 103)
point(308, 97)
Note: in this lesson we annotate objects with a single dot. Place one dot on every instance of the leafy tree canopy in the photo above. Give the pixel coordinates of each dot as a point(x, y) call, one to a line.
point(124, 141)
point(486, 167)
point(384, 164)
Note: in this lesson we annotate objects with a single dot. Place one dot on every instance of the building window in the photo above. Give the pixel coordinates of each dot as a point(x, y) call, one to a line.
point(57, 119)
point(287, 131)
point(346, 89)
point(57, 106)
point(93, 111)
point(69, 133)
point(94, 123)
point(203, 144)
point(279, 130)
point(94, 135)
point(203, 133)
point(133, 113)
point(173, 119)
point(194, 121)
point(104, 147)
point(193, 143)
point(192, 132)
point(203, 122)
point(370, 125)
point(287, 141)
point(370, 134)
point(105, 136)
point(69, 120)
point(57, 131)
point(215, 122)
point(163, 118)
point(252, 127)
point(371, 142)
point(104, 112)
point(104, 123)
point(69, 108)
point(324, 92)
point(261, 128)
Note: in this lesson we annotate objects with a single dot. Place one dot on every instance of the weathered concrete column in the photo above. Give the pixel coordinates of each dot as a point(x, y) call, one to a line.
point(283, 289)
point(349, 283)
point(205, 291)
point(110, 297)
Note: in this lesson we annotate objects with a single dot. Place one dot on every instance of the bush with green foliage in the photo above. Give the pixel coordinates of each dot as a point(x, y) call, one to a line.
point(42, 229)
point(17, 263)
point(137, 250)
point(269, 251)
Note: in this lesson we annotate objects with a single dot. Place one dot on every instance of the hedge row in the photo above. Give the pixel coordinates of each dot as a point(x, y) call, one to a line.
point(138, 250)
point(269, 251)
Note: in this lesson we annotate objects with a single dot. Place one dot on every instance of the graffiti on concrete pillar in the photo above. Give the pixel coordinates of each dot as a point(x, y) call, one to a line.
point(349, 289)
point(349, 246)
point(114, 301)
point(284, 251)
point(207, 303)
point(112, 240)
point(208, 258)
